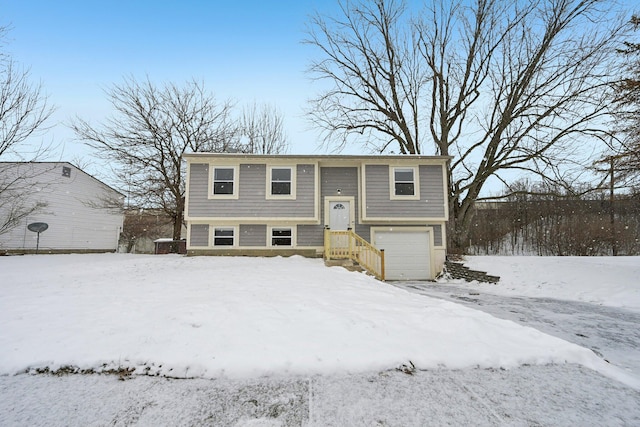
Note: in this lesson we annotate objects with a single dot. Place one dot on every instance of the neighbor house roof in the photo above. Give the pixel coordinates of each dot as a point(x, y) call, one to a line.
point(64, 163)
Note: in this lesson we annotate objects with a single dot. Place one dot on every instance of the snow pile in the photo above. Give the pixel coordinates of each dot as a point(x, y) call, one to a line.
point(611, 281)
point(239, 317)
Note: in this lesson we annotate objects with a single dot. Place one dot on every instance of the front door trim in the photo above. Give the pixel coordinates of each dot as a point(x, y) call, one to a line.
point(327, 210)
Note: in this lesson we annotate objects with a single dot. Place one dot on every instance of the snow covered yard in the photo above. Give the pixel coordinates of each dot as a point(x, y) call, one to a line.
point(279, 342)
point(238, 317)
point(610, 281)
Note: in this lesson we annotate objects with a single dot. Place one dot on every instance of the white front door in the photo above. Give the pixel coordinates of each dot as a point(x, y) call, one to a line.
point(339, 215)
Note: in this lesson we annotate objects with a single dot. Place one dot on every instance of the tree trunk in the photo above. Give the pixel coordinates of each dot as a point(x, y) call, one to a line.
point(177, 219)
point(460, 219)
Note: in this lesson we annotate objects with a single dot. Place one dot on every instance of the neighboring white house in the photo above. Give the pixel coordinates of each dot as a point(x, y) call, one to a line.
point(82, 212)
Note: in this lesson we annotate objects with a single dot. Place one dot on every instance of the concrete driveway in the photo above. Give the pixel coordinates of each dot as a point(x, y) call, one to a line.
point(612, 333)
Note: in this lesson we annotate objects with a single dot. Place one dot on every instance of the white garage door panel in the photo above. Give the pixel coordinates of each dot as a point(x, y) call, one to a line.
point(406, 254)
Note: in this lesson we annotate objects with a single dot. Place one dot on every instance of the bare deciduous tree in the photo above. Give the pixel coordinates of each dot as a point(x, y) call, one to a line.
point(369, 60)
point(23, 113)
point(498, 86)
point(150, 131)
point(539, 219)
point(627, 100)
point(262, 130)
point(142, 226)
point(23, 105)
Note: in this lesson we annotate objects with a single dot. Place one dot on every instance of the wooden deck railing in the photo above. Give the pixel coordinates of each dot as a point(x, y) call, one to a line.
point(348, 245)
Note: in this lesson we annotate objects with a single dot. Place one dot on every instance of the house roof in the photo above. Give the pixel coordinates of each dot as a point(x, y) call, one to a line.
point(67, 164)
point(378, 157)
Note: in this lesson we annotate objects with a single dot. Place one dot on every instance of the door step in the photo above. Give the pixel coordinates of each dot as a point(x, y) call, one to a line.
point(345, 263)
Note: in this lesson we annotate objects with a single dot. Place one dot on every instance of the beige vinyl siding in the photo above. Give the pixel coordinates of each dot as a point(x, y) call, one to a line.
point(380, 205)
point(251, 202)
point(253, 235)
point(199, 235)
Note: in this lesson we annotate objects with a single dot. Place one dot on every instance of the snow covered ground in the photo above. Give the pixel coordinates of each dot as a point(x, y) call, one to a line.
point(610, 281)
point(287, 341)
point(244, 317)
point(550, 395)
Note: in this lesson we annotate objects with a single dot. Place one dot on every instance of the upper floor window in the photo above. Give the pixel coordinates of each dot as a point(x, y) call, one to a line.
point(66, 171)
point(281, 182)
point(404, 183)
point(224, 182)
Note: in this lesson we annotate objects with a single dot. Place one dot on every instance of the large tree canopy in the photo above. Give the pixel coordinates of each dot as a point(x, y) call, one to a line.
point(153, 126)
point(150, 131)
point(498, 86)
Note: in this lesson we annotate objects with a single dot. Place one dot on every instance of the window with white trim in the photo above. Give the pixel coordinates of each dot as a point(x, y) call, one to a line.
point(224, 181)
point(223, 236)
point(404, 183)
point(281, 236)
point(281, 181)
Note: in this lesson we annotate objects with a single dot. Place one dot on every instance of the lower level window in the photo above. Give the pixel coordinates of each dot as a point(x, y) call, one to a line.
point(281, 237)
point(223, 237)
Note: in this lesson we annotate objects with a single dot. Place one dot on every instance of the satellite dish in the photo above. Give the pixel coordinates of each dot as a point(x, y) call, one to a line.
point(38, 227)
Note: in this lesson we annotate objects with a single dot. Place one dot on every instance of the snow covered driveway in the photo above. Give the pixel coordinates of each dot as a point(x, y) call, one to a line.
point(610, 332)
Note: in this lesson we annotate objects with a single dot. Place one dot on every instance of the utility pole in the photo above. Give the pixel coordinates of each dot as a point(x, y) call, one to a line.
point(612, 214)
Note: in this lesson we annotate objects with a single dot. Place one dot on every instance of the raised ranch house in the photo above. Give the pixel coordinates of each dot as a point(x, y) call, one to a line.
point(334, 206)
point(83, 214)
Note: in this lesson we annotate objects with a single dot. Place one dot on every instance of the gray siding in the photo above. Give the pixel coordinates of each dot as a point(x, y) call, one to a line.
point(364, 231)
point(251, 200)
point(345, 179)
point(332, 179)
point(380, 205)
point(437, 234)
point(253, 235)
point(310, 235)
point(199, 235)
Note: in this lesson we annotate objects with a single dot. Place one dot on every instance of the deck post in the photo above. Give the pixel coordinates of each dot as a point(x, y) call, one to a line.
point(382, 264)
point(327, 243)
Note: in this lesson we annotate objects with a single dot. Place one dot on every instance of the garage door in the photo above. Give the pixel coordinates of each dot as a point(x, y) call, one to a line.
point(406, 254)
